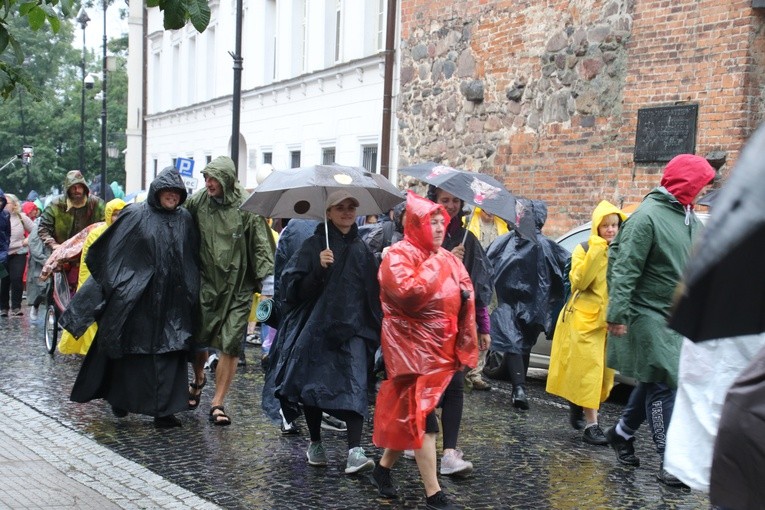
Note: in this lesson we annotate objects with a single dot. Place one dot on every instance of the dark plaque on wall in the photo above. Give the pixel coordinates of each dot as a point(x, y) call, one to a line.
point(663, 132)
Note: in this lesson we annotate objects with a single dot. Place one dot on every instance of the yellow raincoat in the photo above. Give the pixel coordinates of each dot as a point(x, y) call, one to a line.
point(475, 224)
point(69, 344)
point(578, 369)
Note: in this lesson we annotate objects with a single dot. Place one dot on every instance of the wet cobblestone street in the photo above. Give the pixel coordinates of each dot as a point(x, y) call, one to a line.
point(524, 460)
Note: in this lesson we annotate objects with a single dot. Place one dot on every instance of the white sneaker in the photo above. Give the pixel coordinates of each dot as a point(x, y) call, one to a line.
point(408, 454)
point(452, 464)
point(32, 313)
point(358, 461)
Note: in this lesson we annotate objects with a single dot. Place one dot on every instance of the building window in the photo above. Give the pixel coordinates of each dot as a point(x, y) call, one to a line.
point(381, 15)
point(369, 157)
point(328, 156)
point(210, 69)
point(191, 71)
point(208, 159)
point(268, 158)
point(156, 165)
point(294, 159)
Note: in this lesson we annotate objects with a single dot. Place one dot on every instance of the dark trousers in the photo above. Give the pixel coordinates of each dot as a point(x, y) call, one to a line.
point(353, 420)
point(451, 405)
point(651, 402)
point(13, 285)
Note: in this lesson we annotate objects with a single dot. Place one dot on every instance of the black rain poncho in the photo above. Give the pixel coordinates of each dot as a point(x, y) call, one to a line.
point(331, 327)
point(145, 284)
point(528, 279)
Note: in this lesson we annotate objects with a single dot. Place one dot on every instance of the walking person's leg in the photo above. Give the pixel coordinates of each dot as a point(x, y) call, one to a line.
point(452, 403)
point(16, 265)
point(518, 380)
point(660, 401)
point(621, 437)
point(224, 375)
point(357, 459)
point(316, 454)
point(5, 293)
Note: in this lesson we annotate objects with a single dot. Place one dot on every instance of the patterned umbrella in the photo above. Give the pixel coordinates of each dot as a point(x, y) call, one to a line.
point(477, 189)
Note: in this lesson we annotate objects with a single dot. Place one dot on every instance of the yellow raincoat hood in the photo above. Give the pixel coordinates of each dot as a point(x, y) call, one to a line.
point(603, 209)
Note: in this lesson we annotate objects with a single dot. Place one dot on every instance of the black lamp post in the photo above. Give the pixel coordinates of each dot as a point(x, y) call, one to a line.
point(103, 114)
point(82, 19)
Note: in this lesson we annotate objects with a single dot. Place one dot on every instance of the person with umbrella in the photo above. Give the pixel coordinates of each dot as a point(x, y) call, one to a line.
point(465, 246)
point(330, 330)
point(644, 266)
point(428, 335)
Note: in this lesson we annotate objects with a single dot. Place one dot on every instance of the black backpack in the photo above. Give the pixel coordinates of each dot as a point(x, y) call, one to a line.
point(567, 271)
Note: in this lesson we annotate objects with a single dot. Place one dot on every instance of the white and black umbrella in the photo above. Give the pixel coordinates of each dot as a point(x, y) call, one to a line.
point(302, 192)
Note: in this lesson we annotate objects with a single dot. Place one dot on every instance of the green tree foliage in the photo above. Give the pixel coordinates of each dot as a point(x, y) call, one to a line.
point(50, 120)
point(35, 15)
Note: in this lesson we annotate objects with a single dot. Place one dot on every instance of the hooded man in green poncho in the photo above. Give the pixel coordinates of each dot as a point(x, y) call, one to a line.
point(236, 253)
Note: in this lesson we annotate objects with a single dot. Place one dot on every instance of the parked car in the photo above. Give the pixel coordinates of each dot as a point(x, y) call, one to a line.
point(496, 365)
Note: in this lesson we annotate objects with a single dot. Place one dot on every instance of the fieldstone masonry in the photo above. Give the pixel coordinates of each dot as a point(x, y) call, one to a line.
point(544, 95)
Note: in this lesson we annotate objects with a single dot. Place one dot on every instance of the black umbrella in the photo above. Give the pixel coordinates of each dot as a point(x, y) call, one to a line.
point(723, 292)
point(709, 199)
point(477, 189)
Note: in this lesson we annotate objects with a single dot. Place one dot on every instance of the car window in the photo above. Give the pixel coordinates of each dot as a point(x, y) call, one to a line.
point(574, 237)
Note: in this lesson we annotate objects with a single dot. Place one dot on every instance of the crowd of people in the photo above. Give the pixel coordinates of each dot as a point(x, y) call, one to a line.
point(399, 314)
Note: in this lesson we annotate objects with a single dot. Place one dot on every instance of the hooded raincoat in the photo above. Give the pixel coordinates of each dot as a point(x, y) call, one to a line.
point(645, 263)
point(528, 279)
point(578, 369)
point(330, 327)
point(236, 253)
point(143, 290)
point(62, 219)
point(69, 344)
point(476, 226)
point(428, 330)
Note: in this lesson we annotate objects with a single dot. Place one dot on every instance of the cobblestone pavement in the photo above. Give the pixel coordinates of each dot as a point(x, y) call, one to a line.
point(523, 459)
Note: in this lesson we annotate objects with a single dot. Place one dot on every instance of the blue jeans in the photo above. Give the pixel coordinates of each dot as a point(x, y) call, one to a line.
point(651, 402)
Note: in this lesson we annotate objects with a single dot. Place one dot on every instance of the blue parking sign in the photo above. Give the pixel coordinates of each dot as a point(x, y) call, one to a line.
point(185, 166)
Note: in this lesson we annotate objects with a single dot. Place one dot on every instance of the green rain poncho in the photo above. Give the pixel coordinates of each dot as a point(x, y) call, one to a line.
point(236, 253)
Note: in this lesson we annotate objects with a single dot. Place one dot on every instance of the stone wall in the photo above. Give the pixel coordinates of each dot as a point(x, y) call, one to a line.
point(544, 94)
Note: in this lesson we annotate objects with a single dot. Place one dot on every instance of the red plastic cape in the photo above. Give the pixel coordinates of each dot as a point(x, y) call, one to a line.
point(428, 329)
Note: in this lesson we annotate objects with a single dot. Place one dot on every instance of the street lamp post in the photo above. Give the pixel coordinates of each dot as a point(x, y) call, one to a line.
point(103, 115)
point(82, 19)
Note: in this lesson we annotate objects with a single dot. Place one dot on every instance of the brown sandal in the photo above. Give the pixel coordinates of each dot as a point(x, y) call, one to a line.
point(195, 394)
point(221, 419)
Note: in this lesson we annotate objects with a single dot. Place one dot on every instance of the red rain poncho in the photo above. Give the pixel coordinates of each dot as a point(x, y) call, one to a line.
point(428, 328)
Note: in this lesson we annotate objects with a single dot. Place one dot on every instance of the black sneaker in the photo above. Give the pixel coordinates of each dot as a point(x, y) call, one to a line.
point(118, 412)
point(439, 501)
point(380, 478)
point(594, 435)
point(668, 478)
point(576, 416)
point(624, 448)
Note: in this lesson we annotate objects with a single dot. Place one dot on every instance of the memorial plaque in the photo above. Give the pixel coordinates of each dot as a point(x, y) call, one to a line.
point(663, 132)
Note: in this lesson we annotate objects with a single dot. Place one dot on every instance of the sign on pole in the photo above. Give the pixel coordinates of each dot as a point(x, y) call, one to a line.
point(185, 166)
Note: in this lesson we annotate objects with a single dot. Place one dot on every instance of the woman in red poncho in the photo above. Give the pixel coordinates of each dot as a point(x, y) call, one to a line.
point(428, 333)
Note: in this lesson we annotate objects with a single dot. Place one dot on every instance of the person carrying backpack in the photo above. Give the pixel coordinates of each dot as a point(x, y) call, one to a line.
point(578, 369)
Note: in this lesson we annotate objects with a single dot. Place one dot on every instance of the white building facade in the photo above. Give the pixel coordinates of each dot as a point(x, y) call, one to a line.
point(312, 87)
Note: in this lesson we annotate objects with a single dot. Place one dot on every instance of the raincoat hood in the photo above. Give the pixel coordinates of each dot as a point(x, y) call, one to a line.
point(32, 196)
point(398, 212)
point(417, 221)
point(539, 209)
point(75, 177)
point(111, 207)
point(223, 170)
point(117, 190)
point(603, 209)
point(3, 200)
point(169, 178)
point(28, 207)
point(685, 176)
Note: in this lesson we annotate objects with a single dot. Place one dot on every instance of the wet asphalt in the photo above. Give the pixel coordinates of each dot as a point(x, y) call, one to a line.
point(526, 460)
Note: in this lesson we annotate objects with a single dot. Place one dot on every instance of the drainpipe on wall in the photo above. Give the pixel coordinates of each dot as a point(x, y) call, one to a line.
point(237, 100)
point(390, 45)
point(144, 93)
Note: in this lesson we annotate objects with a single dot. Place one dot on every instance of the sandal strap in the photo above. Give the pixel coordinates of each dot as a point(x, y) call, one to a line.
point(217, 408)
point(200, 385)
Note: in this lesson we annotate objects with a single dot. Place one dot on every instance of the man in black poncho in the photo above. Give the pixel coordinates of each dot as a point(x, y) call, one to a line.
point(145, 280)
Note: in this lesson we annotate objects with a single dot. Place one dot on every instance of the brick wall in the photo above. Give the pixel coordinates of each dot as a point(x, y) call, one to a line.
point(544, 94)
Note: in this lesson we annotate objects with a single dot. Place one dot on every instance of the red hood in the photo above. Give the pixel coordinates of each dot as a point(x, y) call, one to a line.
point(686, 175)
point(417, 222)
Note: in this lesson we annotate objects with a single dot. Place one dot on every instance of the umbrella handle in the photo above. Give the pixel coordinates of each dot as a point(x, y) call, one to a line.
point(470, 220)
point(326, 229)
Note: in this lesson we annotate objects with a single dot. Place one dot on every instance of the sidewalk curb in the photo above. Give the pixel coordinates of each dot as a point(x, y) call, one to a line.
point(73, 471)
